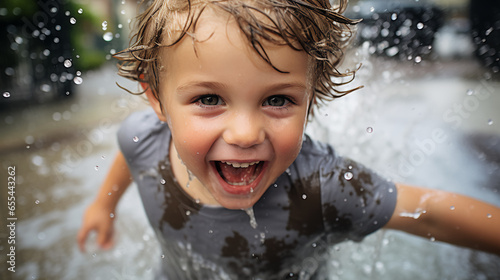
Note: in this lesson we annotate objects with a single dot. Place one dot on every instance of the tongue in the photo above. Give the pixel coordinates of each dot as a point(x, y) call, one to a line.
point(237, 176)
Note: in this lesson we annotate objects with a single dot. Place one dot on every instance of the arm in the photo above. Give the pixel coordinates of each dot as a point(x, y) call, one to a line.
point(97, 216)
point(447, 217)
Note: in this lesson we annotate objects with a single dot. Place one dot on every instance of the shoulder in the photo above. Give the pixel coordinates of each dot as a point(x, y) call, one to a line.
point(354, 198)
point(139, 133)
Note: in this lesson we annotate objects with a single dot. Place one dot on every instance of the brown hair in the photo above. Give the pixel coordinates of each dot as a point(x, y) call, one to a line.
point(313, 26)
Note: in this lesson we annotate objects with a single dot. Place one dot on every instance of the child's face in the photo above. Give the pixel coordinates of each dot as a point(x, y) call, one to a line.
point(236, 123)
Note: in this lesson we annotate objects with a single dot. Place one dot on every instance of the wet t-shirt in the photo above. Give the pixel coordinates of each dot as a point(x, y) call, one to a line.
point(321, 199)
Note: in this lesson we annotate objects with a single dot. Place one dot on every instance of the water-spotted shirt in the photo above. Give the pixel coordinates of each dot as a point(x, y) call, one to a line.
point(321, 199)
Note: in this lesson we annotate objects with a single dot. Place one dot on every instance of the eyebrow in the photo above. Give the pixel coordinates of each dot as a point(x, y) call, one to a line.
point(204, 84)
point(218, 86)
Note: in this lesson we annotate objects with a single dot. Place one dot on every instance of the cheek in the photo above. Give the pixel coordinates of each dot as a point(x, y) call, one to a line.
point(288, 141)
point(191, 140)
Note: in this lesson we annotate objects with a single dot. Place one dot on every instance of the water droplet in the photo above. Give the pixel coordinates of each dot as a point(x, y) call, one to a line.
point(6, 94)
point(372, 9)
point(111, 215)
point(120, 26)
point(94, 255)
point(72, 20)
point(78, 80)
point(162, 256)
point(490, 122)
point(253, 222)
point(53, 10)
point(37, 201)
point(432, 239)
point(103, 157)
point(109, 193)
point(390, 190)
point(188, 213)
point(470, 92)
point(304, 196)
point(104, 25)
point(210, 231)
point(96, 168)
point(452, 207)
point(275, 185)
point(348, 176)
point(108, 36)
point(122, 12)
point(135, 139)
point(420, 25)
point(394, 16)
point(418, 59)
point(350, 167)
point(197, 201)
point(369, 129)
point(80, 11)
point(314, 245)
point(488, 216)
point(67, 63)
point(162, 181)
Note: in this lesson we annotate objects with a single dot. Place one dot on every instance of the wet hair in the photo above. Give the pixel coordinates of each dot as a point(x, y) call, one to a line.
point(313, 26)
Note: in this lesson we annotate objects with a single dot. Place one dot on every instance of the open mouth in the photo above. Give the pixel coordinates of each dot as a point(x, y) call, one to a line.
point(239, 173)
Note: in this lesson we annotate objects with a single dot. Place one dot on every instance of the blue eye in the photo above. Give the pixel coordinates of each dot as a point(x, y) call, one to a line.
point(276, 101)
point(210, 100)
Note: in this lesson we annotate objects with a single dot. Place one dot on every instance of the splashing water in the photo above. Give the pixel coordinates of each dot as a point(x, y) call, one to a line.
point(108, 36)
point(190, 177)
point(253, 222)
point(415, 215)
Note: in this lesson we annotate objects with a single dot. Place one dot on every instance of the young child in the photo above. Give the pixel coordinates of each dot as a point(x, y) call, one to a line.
point(230, 183)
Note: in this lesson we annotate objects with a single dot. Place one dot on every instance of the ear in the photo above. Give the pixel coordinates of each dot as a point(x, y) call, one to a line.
point(154, 102)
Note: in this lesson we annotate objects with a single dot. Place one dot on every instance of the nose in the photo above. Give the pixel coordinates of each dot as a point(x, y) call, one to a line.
point(244, 130)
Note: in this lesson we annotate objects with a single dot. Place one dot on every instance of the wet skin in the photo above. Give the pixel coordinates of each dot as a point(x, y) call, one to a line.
point(227, 108)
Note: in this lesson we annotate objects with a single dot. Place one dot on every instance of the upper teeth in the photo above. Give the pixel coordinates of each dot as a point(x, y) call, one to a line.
point(240, 165)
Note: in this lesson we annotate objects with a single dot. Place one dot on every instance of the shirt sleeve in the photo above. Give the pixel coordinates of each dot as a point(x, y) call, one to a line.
point(139, 137)
point(356, 201)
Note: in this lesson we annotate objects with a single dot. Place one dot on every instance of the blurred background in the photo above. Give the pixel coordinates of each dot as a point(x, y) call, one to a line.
point(428, 115)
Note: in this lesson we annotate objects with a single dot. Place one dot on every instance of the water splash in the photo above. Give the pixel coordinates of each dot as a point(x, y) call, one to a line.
point(108, 36)
point(414, 215)
point(67, 63)
point(190, 177)
point(250, 213)
point(78, 80)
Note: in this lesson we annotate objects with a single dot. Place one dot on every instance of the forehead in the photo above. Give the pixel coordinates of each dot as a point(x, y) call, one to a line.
point(216, 32)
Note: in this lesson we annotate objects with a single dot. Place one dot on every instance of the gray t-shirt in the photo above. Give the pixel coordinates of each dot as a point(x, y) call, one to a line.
point(322, 199)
